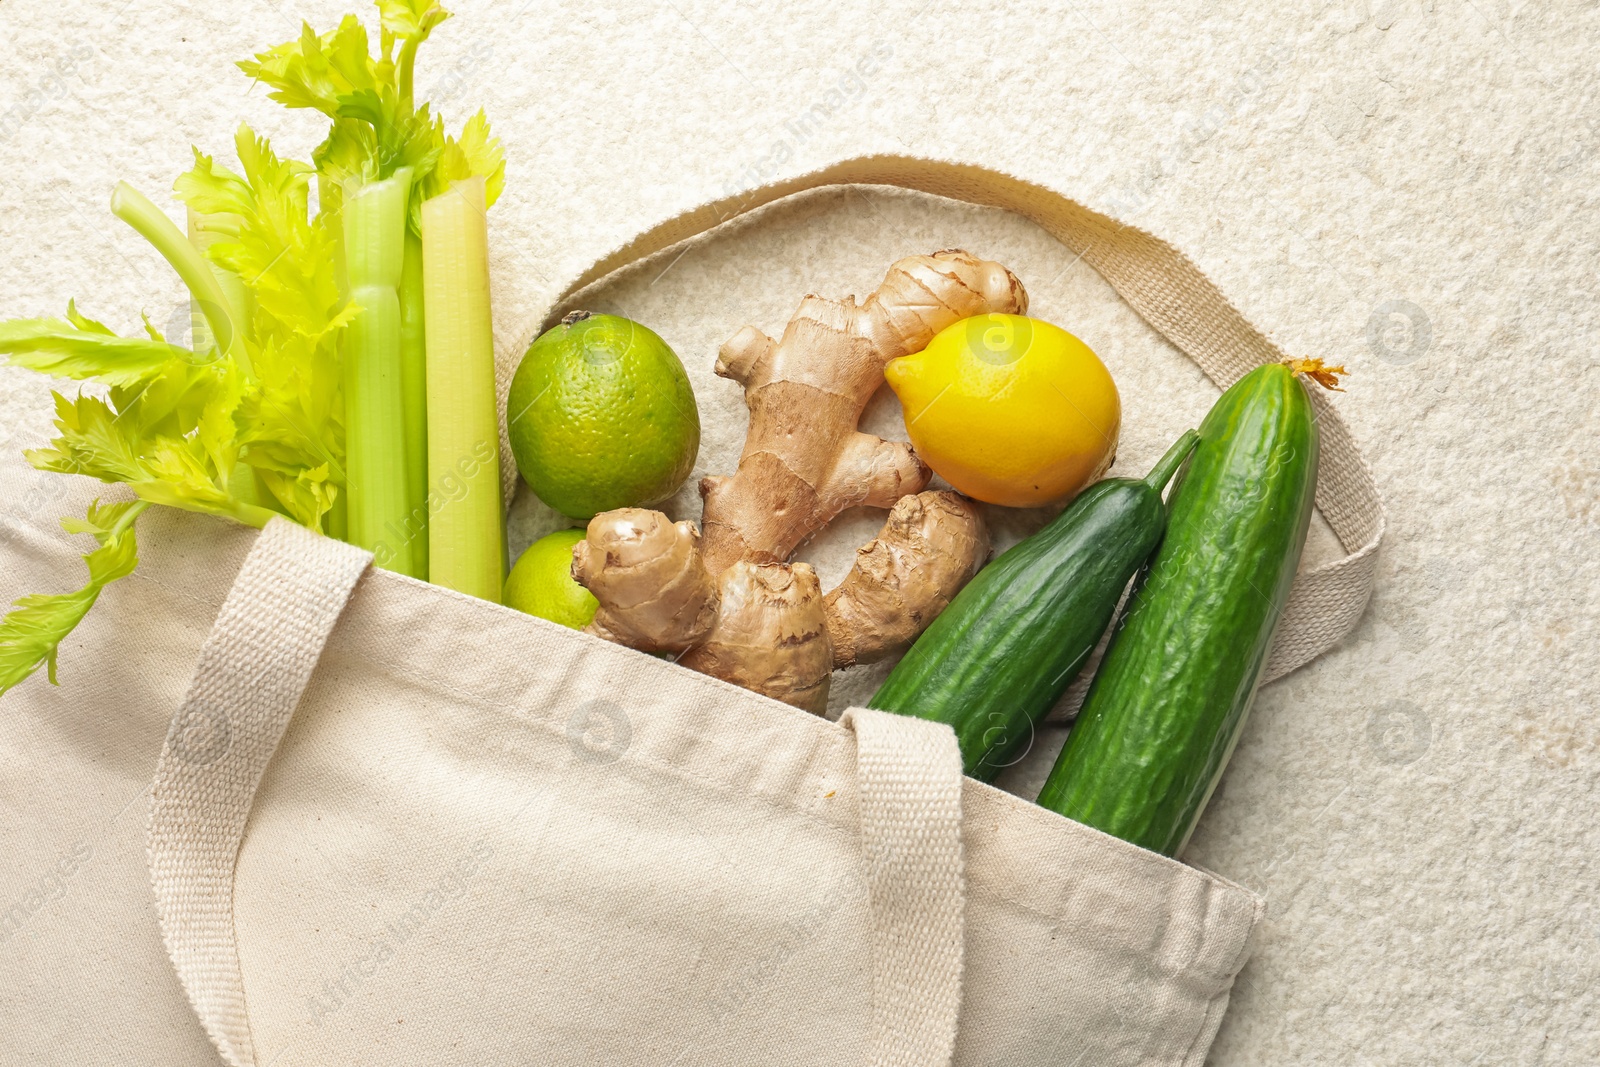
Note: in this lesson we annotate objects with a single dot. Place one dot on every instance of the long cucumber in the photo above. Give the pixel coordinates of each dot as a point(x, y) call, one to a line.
point(996, 660)
point(1172, 693)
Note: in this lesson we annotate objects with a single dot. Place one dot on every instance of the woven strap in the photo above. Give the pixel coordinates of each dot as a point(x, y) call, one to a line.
point(1158, 282)
point(254, 667)
point(908, 775)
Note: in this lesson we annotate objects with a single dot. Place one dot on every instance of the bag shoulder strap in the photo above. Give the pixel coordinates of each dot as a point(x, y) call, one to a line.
point(252, 671)
point(253, 667)
point(908, 780)
point(1165, 288)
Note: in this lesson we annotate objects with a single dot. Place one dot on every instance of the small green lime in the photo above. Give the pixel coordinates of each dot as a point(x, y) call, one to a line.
point(541, 583)
point(601, 416)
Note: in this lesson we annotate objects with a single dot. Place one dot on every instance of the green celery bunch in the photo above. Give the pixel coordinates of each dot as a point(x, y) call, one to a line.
point(383, 157)
point(254, 418)
point(200, 429)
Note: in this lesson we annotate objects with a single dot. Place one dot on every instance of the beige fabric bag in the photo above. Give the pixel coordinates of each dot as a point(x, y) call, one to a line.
point(391, 824)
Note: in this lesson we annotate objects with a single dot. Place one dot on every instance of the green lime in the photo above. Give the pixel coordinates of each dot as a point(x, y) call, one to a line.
point(601, 416)
point(541, 583)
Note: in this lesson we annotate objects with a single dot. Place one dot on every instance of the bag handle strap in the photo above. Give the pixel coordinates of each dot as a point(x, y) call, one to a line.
point(254, 667)
point(1165, 288)
point(908, 779)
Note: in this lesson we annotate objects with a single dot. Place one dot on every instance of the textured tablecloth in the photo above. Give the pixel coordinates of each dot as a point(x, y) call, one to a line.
point(1405, 187)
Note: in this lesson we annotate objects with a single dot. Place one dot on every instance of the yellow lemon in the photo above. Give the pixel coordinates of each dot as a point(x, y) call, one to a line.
point(1009, 410)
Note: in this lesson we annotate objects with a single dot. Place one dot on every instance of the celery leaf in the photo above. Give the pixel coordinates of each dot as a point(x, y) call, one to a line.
point(290, 418)
point(411, 19)
point(33, 630)
point(314, 71)
point(476, 153)
point(81, 348)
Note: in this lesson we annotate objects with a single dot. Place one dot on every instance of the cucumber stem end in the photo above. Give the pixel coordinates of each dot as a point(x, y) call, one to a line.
point(1168, 464)
point(1317, 371)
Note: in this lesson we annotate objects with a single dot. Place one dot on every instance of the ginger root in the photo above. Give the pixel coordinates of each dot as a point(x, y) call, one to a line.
point(655, 593)
point(732, 604)
point(767, 626)
point(931, 546)
point(804, 460)
point(771, 634)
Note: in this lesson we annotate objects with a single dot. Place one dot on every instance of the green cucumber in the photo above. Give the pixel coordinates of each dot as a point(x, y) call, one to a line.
point(996, 660)
point(1176, 683)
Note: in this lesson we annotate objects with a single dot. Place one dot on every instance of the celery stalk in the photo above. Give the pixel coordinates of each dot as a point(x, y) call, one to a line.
point(330, 201)
point(374, 238)
point(231, 284)
point(243, 482)
point(220, 308)
point(414, 390)
point(134, 208)
point(467, 532)
point(336, 522)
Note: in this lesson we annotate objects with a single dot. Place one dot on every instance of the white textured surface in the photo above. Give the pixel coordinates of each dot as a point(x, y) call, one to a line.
point(1418, 807)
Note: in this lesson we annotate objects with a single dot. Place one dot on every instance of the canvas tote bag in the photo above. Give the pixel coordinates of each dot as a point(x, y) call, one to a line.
point(392, 824)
